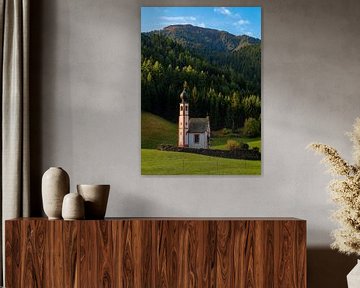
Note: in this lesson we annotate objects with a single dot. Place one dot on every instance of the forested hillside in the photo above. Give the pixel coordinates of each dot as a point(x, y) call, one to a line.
point(206, 39)
point(223, 82)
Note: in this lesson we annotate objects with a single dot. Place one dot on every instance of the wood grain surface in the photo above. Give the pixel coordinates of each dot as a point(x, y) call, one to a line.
point(159, 252)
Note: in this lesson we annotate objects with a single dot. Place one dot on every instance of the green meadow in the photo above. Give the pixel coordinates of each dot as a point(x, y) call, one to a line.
point(156, 130)
point(155, 162)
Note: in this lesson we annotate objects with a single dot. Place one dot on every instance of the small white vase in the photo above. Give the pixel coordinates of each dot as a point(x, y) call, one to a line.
point(353, 278)
point(73, 207)
point(96, 198)
point(55, 185)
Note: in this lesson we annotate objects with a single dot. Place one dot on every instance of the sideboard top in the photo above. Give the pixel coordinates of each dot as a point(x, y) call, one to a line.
point(174, 219)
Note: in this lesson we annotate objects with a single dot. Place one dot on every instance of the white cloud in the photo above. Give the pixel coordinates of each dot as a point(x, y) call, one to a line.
point(178, 18)
point(222, 10)
point(242, 22)
point(249, 33)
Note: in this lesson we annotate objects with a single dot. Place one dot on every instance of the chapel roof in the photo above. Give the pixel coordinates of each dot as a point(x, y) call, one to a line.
point(198, 125)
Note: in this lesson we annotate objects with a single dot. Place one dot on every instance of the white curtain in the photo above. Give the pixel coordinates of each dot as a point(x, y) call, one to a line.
point(14, 25)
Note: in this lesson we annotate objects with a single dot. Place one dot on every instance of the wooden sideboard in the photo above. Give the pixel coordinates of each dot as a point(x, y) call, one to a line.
point(156, 252)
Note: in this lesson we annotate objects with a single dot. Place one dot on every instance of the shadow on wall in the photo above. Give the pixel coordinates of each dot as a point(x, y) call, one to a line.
point(328, 268)
point(36, 12)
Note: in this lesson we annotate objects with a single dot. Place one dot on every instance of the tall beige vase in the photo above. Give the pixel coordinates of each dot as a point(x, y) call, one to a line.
point(55, 185)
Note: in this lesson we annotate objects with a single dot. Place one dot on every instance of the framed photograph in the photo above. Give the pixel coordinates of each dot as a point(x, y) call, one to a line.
point(201, 90)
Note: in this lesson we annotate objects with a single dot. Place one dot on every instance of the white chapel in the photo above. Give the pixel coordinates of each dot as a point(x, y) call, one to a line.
point(193, 132)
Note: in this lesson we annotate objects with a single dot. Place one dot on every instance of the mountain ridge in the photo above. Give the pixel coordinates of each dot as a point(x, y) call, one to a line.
point(200, 38)
point(175, 26)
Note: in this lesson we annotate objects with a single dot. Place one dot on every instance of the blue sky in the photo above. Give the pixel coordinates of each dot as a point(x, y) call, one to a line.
point(236, 20)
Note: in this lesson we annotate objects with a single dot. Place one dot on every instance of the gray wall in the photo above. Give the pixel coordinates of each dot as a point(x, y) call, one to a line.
point(85, 77)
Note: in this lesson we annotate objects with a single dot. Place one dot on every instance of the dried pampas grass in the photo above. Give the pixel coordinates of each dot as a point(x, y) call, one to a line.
point(345, 192)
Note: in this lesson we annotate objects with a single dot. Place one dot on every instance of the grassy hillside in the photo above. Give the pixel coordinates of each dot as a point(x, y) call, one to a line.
point(155, 162)
point(156, 130)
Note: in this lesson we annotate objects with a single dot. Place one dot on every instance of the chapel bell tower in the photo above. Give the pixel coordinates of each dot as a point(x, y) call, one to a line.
point(183, 119)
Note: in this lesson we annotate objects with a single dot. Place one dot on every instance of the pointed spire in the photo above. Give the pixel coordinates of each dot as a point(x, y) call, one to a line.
point(184, 96)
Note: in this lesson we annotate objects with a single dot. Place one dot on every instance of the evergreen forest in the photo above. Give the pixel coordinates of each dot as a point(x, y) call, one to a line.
point(222, 72)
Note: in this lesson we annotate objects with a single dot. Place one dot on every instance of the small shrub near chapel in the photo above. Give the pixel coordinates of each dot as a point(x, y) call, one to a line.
point(244, 146)
point(232, 145)
point(252, 127)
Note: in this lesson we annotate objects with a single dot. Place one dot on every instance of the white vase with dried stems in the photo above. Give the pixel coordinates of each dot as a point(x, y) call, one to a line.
point(345, 192)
